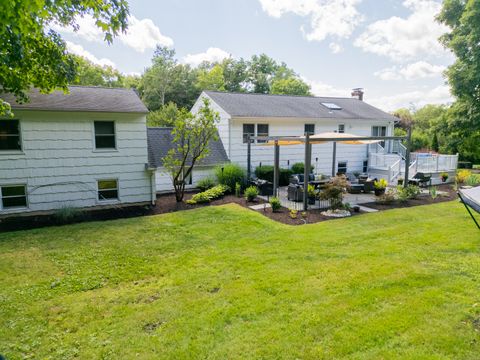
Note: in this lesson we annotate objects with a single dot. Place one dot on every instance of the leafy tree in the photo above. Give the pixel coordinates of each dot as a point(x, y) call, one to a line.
point(290, 86)
point(261, 70)
point(463, 17)
point(211, 79)
point(165, 116)
point(32, 54)
point(91, 74)
point(235, 74)
point(192, 134)
point(183, 89)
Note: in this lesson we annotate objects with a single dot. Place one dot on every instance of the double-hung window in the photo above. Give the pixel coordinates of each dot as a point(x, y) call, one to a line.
point(342, 167)
point(107, 189)
point(13, 196)
point(309, 129)
point(105, 135)
point(10, 135)
point(341, 128)
point(248, 130)
point(262, 130)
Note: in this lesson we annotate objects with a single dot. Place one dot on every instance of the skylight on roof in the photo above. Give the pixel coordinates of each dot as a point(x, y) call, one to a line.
point(331, 106)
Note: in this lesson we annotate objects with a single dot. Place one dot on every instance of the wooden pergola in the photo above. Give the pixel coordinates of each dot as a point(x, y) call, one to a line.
point(278, 141)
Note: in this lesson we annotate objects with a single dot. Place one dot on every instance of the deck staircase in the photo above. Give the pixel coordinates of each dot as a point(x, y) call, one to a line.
point(389, 162)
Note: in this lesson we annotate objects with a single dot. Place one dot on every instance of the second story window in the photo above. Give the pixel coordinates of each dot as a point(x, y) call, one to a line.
point(10, 135)
point(309, 129)
point(248, 129)
point(105, 135)
point(341, 128)
point(262, 130)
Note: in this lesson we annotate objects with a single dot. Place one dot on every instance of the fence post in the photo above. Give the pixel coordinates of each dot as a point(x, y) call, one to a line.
point(249, 158)
point(306, 171)
point(407, 156)
point(276, 168)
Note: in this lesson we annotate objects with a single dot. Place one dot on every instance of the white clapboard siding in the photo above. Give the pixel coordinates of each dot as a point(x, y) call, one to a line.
point(60, 165)
point(163, 180)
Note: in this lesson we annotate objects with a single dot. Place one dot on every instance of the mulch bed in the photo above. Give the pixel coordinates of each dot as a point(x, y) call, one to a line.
point(423, 199)
point(312, 216)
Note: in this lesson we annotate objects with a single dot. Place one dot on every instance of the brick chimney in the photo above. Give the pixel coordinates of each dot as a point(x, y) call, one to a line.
point(358, 93)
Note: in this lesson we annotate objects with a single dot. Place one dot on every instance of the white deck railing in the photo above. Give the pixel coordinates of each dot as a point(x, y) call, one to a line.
point(435, 162)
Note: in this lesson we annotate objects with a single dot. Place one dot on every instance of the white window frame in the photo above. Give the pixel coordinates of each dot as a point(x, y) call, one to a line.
point(13, 207)
point(104, 201)
point(346, 166)
point(20, 139)
point(343, 130)
point(115, 134)
point(258, 134)
point(244, 140)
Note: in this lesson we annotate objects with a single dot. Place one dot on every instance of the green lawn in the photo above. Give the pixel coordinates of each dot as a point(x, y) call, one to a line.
point(227, 283)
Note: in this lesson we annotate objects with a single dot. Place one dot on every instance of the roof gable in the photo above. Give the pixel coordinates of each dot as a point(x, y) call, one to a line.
point(288, 106)
point(82, 98)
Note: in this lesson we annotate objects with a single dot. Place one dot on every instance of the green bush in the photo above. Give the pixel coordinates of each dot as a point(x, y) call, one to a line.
point(238, 189)
point(275, 204)
point(251, 193)
point(410, 192)
point(208, 195)
point(473, 180)
point(266, 173)
point(206, 183)
point(231, 175)
point(387, 198)
point(299, 168)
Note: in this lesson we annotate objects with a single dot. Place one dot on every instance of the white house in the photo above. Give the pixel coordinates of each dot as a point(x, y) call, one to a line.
point(281, 115)
point(84, 149)
point(160, 141)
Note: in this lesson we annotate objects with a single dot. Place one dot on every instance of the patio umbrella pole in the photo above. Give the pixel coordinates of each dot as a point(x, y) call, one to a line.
point(407, 156)
point(276, 168)
point(249, 158)
point(306, 170)
point(334, 160)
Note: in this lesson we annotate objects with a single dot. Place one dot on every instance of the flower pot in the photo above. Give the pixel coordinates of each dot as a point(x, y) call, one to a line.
point(444, 179)
point(379, 192)
point(400, 181)
point(356, 208)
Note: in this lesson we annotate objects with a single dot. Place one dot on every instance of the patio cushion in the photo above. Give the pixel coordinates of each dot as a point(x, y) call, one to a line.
point(471, 197)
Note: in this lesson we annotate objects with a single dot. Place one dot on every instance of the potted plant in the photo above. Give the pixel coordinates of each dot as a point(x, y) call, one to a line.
point(400, 181)
point(444, 176)
point(380, 187)
point(312, 194)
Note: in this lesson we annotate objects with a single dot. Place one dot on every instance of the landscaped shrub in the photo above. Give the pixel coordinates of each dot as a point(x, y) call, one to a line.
point(299, 168)
point(433, 192)
point(231, 175)
point(334, 191)
point(206, 183)
point(410, 192)
point(265, 172)
point(275, 204)
point(238, 189)
point(444, 176)
point(251, 193)
point(387, 198)
point(462, 175)
point(473, 180)
point(208, 195)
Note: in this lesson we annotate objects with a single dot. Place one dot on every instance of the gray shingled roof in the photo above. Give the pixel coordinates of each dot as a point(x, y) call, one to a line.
point(160, 141)
point(82, 98)
point(305, 107)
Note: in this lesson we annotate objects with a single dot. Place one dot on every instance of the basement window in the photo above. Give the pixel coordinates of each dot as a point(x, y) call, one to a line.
point(341, 128)
point(13, 196)
point(107, 189)
point(309, 129)
point(10, 135)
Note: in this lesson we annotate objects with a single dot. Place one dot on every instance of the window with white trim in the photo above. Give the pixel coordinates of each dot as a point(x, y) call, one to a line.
point(13, 196)
point(248, 130)
point(341, 128)
point(10, 135)
point(262, 130)
point(107, 189)
point(105, 135)
point(365, 166)
point(309, 129)
point(342, 167)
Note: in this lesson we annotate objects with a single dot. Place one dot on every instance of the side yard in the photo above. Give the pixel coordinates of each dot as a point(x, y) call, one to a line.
point(225, 282)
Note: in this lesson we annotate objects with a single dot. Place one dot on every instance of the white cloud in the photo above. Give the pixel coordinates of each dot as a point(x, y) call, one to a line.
point(417, 70)
point(326, 17)
point(79, 50)
point(403, 39)
point(417, 98)
point(212, 54)
point(319, 88)
point(335, 48)
point(140, 36)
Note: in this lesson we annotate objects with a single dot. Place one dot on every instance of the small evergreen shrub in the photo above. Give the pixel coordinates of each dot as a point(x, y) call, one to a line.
point(206, 183)
point(299, 168)
point(473, 180)
point(275, 204)
point(410, 192)
point(231, 175)
point(251, 193)
point(208, 195)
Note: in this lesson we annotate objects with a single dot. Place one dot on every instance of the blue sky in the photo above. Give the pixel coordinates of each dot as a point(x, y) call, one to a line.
point(389, 47)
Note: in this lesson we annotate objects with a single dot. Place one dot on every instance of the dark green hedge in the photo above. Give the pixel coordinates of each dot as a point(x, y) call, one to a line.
point(266, 173)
